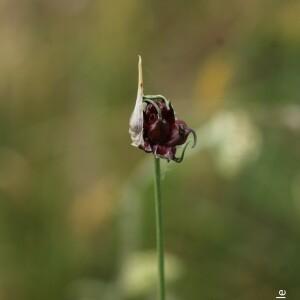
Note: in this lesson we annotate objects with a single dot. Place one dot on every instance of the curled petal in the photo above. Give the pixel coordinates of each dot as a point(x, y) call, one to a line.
point(136, 119)
point(180, 159)
point(155, 105)
point(194, 137)
point(165, 110)
point(157, 97)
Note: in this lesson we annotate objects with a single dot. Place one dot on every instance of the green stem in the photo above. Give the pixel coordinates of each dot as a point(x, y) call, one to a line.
point(159, 229)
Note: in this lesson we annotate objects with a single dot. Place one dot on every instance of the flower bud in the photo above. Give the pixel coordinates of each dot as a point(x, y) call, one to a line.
point(153, 126)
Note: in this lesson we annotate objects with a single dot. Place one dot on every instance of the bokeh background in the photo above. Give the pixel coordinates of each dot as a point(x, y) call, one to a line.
point(76, 200)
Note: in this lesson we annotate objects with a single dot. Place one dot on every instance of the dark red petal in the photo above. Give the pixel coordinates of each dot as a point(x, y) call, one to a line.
point(164, 152)
point(162, 131)
point(167, 113)
point(150, 114)
point(158, 132)
point(179, 133)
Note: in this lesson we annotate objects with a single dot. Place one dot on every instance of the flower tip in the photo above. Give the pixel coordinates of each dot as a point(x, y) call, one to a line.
point(140, 71)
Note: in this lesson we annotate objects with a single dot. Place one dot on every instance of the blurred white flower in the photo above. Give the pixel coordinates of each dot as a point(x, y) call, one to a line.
point(139, 275)
point(235, 139)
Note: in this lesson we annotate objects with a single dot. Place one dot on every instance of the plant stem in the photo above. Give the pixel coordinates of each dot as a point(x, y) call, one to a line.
point(159, 229)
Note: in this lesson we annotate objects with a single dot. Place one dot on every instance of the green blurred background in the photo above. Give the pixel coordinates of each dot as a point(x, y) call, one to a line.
point(76, 200)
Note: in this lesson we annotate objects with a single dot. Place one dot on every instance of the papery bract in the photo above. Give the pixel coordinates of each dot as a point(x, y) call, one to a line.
point(136, 119)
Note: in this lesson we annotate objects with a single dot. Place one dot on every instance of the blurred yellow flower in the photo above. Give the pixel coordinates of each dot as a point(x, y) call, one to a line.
point(211, 84)
point(288, 21)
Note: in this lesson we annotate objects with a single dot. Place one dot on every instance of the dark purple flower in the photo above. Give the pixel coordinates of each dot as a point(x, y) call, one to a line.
point(154, 127)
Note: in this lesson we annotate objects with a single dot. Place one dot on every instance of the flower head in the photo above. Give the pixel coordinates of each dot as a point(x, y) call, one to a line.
point(154, 127)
